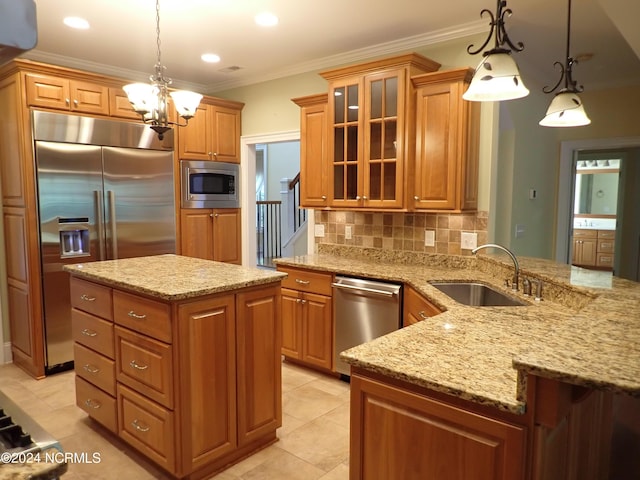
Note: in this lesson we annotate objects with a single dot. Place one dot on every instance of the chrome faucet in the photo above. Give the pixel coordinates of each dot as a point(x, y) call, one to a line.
point(516, 265)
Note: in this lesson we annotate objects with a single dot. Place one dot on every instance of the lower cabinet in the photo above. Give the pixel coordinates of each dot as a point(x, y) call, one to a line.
point(416, 308)
point(307, 318)
point(193, 385)
point(211, 234)
point(396, 433)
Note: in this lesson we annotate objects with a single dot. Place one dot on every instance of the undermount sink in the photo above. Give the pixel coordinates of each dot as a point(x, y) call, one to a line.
point(477, 294)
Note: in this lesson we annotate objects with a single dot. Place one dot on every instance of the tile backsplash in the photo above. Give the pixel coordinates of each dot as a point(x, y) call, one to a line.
point(401, 231)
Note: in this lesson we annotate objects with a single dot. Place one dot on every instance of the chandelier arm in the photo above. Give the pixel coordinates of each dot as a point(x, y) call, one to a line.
point(486, 42)
point(563, 74)
point(571, 84)
point(502, 33)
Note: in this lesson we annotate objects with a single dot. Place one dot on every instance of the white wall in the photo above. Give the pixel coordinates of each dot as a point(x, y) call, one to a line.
point(283, 161)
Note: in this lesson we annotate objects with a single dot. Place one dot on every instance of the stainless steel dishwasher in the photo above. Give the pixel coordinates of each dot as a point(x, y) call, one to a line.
point(363, 310)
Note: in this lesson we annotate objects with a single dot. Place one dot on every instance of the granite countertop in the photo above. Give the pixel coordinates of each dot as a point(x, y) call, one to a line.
point(586, 331)
point(38, 469)
point(173, 277)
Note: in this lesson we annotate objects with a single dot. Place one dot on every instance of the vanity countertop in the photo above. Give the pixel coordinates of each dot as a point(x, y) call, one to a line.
point(586, 331)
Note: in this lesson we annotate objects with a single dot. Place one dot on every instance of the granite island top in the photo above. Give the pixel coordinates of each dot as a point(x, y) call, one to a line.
point(586, 331)
point(173, 277)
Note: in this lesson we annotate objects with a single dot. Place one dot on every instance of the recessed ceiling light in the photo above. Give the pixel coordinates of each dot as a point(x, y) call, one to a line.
point(210, 58)
point(266, 19)
point(76, 22)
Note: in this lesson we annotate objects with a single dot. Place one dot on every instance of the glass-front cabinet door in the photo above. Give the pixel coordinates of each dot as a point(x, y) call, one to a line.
point(346, 144)
point(383, 142)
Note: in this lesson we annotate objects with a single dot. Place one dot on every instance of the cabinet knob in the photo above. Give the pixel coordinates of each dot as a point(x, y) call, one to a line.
point(324, 197)
point(415, 197)
point(67, 101)
point(75, 102)
point(365, 197)
point(357, 197)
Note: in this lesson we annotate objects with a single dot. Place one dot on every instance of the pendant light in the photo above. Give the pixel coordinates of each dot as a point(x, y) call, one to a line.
point(566, 109)
point(150, 100)
point(497, 77)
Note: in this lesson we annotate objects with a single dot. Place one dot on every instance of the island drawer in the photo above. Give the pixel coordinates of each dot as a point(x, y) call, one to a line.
point(98, 405)
point(147, 427)
point(307, 281)
point(416, 308)
point(95, 368)
point(91, 297)
point(93, 332)
point(143, 315)
point(145, 365)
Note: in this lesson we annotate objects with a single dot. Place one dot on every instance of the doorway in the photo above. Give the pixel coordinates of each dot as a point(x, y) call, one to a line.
point(627, 242)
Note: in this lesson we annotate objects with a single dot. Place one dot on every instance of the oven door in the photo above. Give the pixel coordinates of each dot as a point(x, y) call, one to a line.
point(209, 185)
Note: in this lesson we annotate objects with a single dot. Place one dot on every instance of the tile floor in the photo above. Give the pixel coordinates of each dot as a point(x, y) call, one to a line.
point(313, 441)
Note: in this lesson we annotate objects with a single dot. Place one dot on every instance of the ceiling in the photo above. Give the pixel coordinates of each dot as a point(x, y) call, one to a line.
point(314, 35)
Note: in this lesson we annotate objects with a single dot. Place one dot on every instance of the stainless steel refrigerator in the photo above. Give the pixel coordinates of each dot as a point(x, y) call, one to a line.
point(105, 191)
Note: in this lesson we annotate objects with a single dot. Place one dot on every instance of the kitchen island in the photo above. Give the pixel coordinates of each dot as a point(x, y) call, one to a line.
point(519, 392)
point(179, 357)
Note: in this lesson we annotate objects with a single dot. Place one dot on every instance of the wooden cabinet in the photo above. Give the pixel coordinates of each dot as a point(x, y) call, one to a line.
point(396, 433)
point(94, 355)
point(213, 133)
point(307, 317)
point(119, 105)
point(193, 385)
point(211, 234)
point(63, 94)
point(314, 186)
point(447, 142)
point(593, 248)
point(416, 308)
point(371, 131)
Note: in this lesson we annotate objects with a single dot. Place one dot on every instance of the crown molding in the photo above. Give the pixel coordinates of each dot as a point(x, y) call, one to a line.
point(381, 49)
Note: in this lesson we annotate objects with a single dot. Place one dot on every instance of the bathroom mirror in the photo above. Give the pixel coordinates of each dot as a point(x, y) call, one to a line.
point(596, 192)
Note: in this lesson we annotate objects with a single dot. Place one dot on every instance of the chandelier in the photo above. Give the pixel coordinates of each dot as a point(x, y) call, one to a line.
point(566, 109)
point(497, 77)
point(149, 100)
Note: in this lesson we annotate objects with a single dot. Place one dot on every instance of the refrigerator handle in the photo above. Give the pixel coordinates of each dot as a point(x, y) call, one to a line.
point(100, 209)
point(112, 219)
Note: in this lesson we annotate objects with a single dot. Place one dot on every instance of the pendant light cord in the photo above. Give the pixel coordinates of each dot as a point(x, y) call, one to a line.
point(158, 30)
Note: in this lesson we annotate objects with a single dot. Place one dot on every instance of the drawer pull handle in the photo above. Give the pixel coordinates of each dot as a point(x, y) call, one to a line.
point(91, 368)
point(135, 315)
point(139, 427)
point(302, 282)
point(137, 366)
point(422, 315)
point(87, 298)
point(89, 333)
point(89, 402)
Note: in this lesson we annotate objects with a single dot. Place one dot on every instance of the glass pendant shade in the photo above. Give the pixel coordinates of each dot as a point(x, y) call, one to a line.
point(496, 78)
point(565, 110)
point(143, 96)
point(186, 102)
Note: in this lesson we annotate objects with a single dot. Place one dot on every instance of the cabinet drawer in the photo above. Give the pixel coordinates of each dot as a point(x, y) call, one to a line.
point(145, 365)
point(142, 315)
point(307, 281)
point(605, 246)
point(147, 427)
point(607, 234)
point(93, 332)
point(98, 405)
point(416, 307)
point(604, 260)
point(585, 233)
point(91, 297)
point(95, 368)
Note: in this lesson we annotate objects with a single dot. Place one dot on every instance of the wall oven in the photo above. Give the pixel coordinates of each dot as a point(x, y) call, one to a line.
point(206, 184)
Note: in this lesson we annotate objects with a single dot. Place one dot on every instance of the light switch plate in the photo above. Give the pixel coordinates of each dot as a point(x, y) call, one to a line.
point(319, 230)
point(468, 241)
point(520, 229)
point(429, 238)
point(347, 232)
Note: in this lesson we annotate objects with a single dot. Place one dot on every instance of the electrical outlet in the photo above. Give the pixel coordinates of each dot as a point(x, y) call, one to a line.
point(319, 230)
point(468, 241)
point(429, 238)
point(520, 229)
point(347, 232)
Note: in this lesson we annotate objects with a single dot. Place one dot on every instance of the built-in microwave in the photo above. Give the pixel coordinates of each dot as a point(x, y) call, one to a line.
point(207, 184)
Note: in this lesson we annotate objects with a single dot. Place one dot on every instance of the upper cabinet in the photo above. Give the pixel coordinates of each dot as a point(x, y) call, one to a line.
point(64, 94)
point(314, 187)
point(213, 133)
point(370, 131)
point(447, 138)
